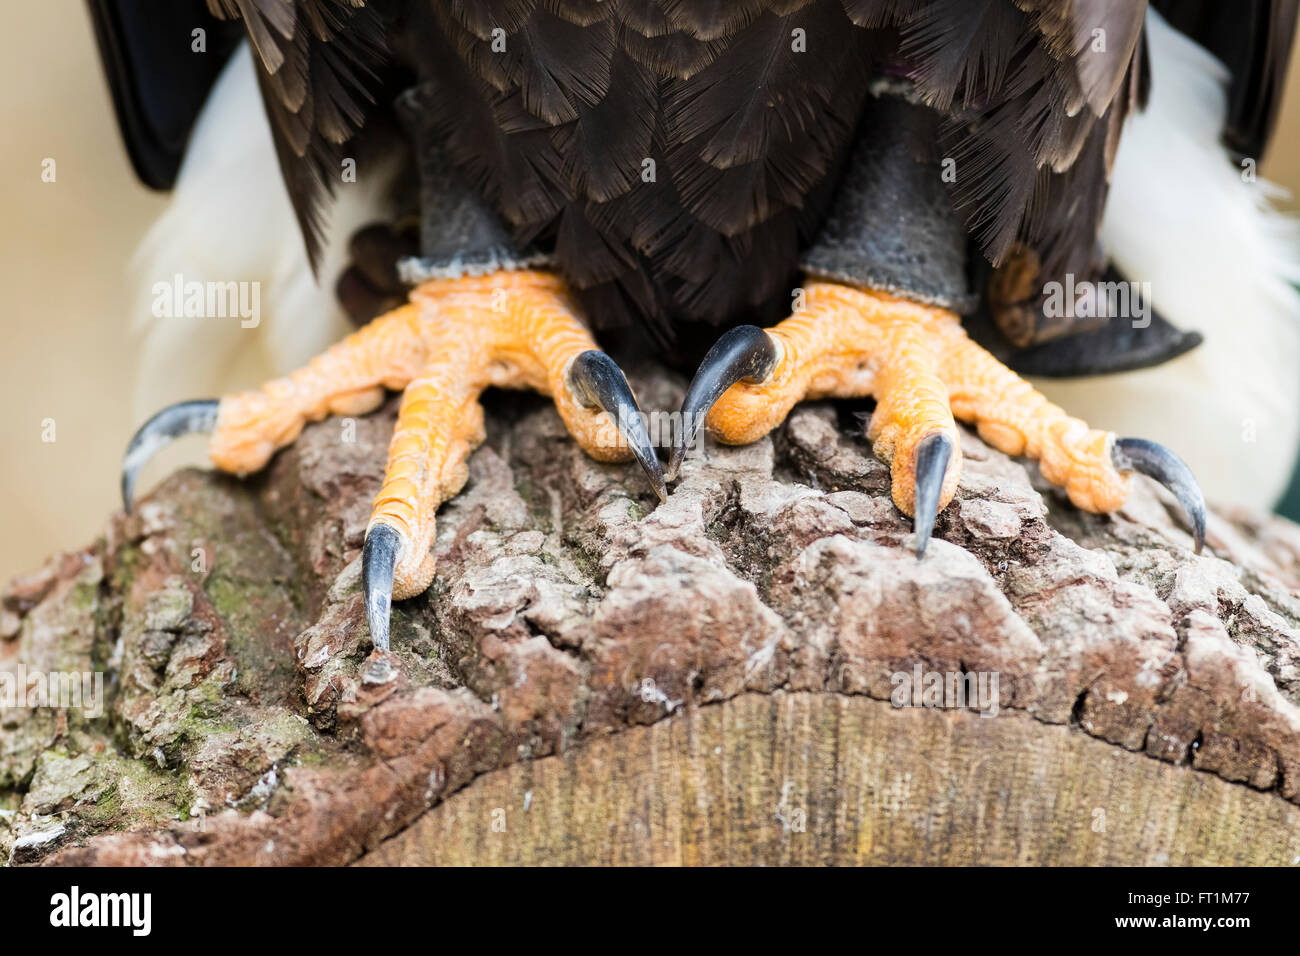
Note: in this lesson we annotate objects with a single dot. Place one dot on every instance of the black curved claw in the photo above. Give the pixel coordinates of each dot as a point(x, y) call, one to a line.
point(378, 560)
point(597, 382)
point(932, 456)
point(174, 421)
point(1156, 461)
point(743, 353)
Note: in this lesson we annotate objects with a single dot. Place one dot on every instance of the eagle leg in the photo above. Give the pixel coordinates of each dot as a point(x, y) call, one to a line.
point(924, 372)
point(453, 339)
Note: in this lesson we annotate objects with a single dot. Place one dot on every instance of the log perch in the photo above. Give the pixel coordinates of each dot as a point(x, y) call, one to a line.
point(594, 677)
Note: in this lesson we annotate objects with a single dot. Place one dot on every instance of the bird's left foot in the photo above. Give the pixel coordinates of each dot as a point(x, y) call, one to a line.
point(924, 372)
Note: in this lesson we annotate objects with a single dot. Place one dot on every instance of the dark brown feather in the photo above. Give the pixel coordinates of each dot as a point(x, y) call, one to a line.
point(737, 128)
point(1038, 90)
point(677, 154)
point(1254, 39)
point(318, 65)
point(961, 45)
point(672, 54)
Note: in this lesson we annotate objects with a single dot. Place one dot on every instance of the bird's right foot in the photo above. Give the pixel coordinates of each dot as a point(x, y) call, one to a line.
point(453, 339)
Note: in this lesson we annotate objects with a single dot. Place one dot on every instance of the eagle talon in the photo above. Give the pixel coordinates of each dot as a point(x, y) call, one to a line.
point(174, 421)
point(745, 353)
point(596, 381)
point(1156, 461)
point(932, 456)
point(378, 561)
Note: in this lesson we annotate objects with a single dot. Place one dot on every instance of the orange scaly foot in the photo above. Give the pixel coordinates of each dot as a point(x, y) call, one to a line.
point(453, 339)
point(923, 371)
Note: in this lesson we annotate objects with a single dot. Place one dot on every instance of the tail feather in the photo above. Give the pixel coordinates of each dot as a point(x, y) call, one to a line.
point(1221, 260)
point(230, 220)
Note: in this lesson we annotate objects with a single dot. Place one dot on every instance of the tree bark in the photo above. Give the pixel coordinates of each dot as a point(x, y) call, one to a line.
point(595, 677)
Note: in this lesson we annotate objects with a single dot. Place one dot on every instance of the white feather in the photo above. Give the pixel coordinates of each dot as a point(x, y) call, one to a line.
point(230, 220)
point(1220, 260)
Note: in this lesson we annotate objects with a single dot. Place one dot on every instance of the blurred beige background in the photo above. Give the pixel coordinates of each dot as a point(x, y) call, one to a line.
point(67, 353)
point(63, 249)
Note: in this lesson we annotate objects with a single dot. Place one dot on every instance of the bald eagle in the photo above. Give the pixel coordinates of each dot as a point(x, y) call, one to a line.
point(900, 199)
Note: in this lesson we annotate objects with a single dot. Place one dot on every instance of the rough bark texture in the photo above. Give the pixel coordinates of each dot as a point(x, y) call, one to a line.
point(595, 677)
